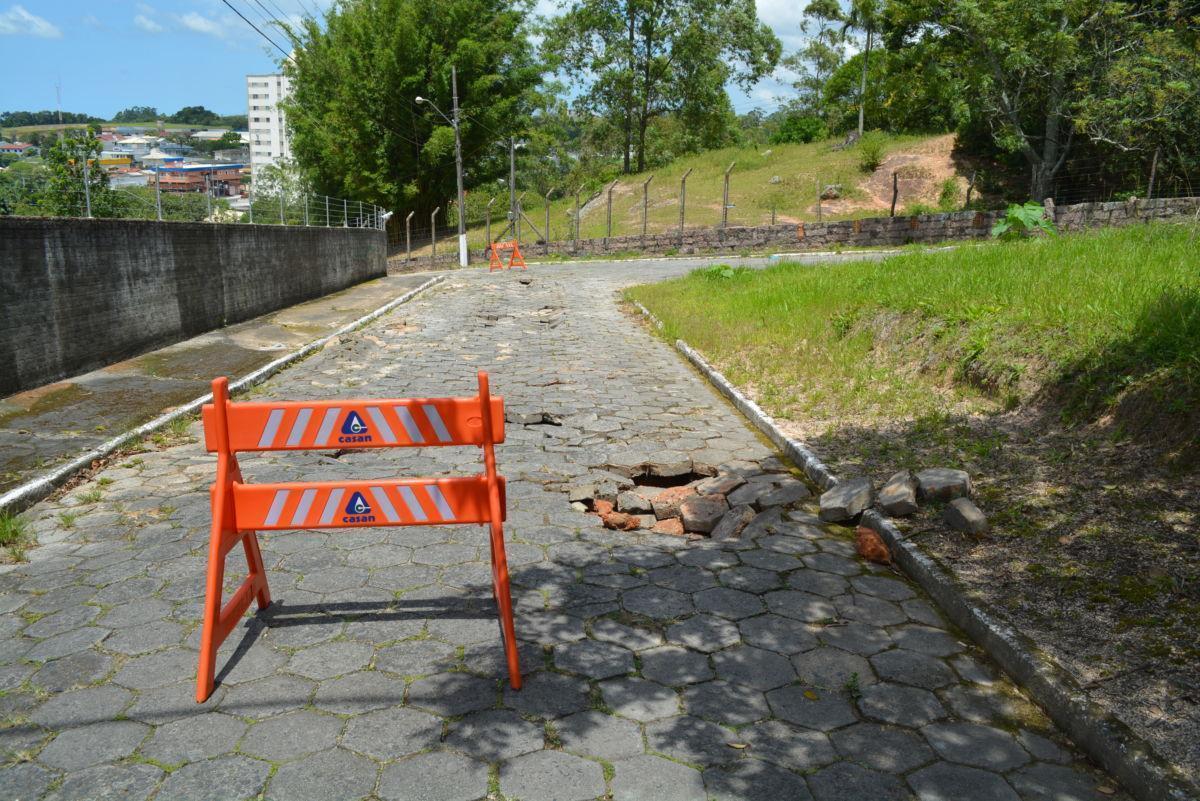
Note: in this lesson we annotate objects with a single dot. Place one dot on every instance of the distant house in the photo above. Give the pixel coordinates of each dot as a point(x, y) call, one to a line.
point(210, 136)
point(15, 148)
point(224, 180)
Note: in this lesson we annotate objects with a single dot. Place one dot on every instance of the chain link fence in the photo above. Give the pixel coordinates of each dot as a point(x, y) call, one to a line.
point(91, 198)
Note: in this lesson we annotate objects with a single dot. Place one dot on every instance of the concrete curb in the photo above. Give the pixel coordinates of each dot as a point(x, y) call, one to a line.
point(1100, 735)
point(25, 495)
point(813, 467)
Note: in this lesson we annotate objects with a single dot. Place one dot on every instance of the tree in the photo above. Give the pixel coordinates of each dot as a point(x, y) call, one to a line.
point(820, 57)
point(1036, 68)
point(862, 15)
point(637, 60)
point(63, 195)
point(136, 114)
point(356, 128)
point(194, 115)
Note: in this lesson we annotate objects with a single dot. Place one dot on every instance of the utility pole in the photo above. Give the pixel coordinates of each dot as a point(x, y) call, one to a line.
point(488, 221)
point(87, 189)
point(463, 257)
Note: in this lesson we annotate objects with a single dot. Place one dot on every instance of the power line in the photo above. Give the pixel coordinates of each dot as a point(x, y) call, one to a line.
point(255, 27)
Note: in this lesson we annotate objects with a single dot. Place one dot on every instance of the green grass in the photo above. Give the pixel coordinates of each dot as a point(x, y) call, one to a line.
point(1101, 324)
point(752, 195)
point(14, 536)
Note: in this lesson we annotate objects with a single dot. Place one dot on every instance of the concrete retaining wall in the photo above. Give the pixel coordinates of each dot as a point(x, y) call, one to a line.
point(870, 232)
point(78, 294)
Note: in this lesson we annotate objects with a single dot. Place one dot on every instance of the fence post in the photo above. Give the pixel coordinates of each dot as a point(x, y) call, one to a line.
point(1153, 170)
point(281, 202)
point(575, 247)
point(345, 213)
point(433, 234)
point(408, 237)
point(520, 214)
point(158, 194)
point(306, 211)
point(327, 222)
point(208, 194)
point(546, 233)
point(645, 207)
point(683, 202)
point(251, 198)
point(608, 231)
point(895, 193)
point(725, 197)
point(487, 217)
point(970, 188)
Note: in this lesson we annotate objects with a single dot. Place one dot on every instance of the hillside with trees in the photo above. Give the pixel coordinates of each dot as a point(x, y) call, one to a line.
point(1075, 101)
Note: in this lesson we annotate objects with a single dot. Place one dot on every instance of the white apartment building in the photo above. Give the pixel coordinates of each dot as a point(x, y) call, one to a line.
point(269, 141)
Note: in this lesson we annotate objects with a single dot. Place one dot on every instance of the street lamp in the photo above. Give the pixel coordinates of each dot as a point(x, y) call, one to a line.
point(462, 224)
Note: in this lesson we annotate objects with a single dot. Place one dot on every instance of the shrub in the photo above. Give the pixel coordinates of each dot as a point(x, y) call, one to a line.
point(948, 199)
point(799, 129)
point(871, 150)
point(1021, 220)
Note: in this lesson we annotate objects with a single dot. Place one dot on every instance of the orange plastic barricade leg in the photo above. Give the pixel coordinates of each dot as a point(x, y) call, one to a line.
point(220, 620)
point(500, 586)
point(240, 509)
point(494, 262)
point(516, 259)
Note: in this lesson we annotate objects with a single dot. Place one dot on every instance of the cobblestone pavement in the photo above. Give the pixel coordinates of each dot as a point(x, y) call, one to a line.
point(774, 667)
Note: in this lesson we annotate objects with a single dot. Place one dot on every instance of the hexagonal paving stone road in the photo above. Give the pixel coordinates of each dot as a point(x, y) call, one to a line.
point(775, 666)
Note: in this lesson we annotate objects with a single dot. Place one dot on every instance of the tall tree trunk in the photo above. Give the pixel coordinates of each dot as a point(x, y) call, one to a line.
point(862, 87)
point(629, 98)
point(645, 116)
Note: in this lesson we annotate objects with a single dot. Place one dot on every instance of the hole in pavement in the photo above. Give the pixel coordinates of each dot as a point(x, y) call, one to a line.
point(696, 503)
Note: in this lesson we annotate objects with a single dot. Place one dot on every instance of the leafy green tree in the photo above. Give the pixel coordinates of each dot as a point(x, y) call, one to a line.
point(638, 60)
point(800, 128)
point(819, 59)
point(356, 128)
point(195, 115)
point(1040, 71)
point(136, 114)
point(63, 195)
point(864, 16)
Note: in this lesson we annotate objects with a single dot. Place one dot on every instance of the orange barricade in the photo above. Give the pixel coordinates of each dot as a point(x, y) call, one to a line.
point(515, 258)
point(240, 509)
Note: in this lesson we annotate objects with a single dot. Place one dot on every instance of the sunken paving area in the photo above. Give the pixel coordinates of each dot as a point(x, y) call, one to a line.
point(774, 665)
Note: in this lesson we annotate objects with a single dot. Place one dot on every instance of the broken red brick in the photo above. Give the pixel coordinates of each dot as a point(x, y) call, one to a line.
point(672, 526)
point(666, 503)
point(870, 546)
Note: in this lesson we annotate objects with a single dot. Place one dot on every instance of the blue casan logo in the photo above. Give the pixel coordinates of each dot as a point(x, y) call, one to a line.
point(355, 430)
point(358, 510)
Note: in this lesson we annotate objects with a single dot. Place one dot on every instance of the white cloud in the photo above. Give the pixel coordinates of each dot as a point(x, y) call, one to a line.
point(19, 22)
point(146, 24)
point(201, 24)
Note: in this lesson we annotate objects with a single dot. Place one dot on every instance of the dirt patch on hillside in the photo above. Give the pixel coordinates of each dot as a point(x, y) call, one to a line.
point(921, 172)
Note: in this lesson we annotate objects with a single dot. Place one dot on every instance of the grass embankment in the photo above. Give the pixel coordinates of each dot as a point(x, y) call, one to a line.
point(1063, 373)
point(1106, 325)
point(799, 168)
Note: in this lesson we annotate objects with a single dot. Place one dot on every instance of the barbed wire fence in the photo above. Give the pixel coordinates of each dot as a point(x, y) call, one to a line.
point(595, 213)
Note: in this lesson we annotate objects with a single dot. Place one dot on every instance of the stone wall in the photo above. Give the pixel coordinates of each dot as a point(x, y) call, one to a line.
point(79, 294)
point(870, 232)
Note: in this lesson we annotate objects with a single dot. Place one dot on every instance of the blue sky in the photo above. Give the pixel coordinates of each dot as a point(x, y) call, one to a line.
point(174, 53)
